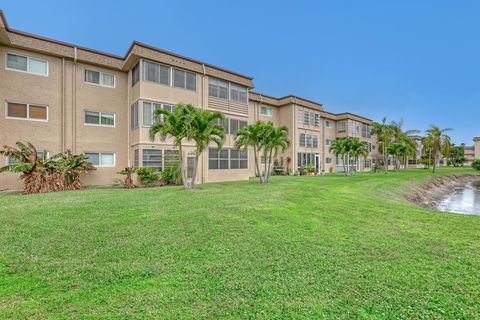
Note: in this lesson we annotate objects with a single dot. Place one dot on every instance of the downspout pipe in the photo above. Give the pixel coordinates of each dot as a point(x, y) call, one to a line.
point(74, 101)
point(203, 107)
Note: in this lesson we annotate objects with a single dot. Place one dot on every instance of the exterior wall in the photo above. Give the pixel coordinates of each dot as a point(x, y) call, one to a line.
point(67, 97)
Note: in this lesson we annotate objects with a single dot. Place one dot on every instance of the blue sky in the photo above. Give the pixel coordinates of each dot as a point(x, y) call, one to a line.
point(416, 60)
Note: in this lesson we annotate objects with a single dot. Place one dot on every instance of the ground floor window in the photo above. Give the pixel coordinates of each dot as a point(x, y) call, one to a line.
point(412, 161)
point(224, 159)
point(328, 160)
point(368, 163)
point(40, 154)
point(101, 159)
point(159, 159)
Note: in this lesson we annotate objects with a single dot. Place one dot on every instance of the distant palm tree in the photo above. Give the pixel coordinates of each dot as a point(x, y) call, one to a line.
point(339, 149)
point(438, 142)
point(251, 136)
point(358, 149)
point(385, 133)
point(275, 139)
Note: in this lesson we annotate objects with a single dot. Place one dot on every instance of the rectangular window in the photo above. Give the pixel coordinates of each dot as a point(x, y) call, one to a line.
point(26, 111)
point(317, 120)
point(302, 140)
point(353, 128)
point(328, 142)
point(305, 158)
point(238, 159)
point(308, 141)
point(183, 79)
point(27, 64)
point(228, 91)
point(101, 159)
point(100, 78)
point(328, 124)
point(341, 127)
point(235, 125)
point(100, 118)
point(366, 131)
point(136, 158)
point(315, 141)
point(149, 117)
point(155, 72)
point(134, 116)
point(306, 118)
point(328, 160)
point(368, 163)
point(152, 158)
point(135, 74)
point(227, 159)
point(40, 154)
point(266, 111)
point(238, 93)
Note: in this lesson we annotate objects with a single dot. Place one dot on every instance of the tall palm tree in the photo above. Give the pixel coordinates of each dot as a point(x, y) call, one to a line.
point(275, 139)
point(439, 143)
point(251, 136)
point(205, 130)
point(178, 125)
point(385, 133)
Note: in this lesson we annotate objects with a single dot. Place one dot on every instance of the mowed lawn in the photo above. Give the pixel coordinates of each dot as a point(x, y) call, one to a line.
point(300, 247)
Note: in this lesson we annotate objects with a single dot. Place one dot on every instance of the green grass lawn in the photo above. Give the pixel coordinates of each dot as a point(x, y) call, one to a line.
point(300, 247)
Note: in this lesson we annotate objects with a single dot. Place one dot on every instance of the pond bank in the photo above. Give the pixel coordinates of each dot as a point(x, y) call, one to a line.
point(432, 192)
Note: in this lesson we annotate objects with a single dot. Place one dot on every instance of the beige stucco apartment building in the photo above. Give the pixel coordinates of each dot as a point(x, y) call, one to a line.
point(59, 96)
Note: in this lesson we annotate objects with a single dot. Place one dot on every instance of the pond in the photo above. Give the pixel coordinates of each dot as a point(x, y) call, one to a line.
point(465, 200)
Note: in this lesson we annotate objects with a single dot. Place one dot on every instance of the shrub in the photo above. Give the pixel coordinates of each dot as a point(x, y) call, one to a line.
point(128, 181)
point(39, 174)
point(476, 165)
point(147, 176)
point(172, 174)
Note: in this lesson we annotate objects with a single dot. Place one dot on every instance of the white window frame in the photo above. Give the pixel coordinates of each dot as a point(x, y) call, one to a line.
point(328, 124)
point(171, 75)
point(100, 119)
point(266, 108)
point(28, 64)
point(328, 142)
point(100, 79)
point(100, 159)
point(28, 111)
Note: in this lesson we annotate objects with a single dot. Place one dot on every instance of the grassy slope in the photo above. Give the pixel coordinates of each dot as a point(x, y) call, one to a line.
point(307, 247)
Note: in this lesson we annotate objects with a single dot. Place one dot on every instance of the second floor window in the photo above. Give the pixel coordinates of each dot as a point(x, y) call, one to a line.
point(106, 119)
point(231, 126)
point(308, 140)
point(26, 111)
point(341, 127)
point(266, 111)
point(27, 64)
point(100, 78)
point(134, 116)
point(149, 108)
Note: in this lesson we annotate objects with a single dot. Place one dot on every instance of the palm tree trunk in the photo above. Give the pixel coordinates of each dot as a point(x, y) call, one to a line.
point(269, 164)
point(257, 166)
point(182, 168)
point(344, 161)
point(197, 156)
point(385, 160)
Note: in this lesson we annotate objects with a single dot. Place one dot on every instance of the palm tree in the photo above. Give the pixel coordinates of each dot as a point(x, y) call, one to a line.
point(438, 142)
point(275, 139)
point(251, 136)
point(205, 130)
point(176, 124)
point(358, 149)
point(385, 133)
point(339, 149)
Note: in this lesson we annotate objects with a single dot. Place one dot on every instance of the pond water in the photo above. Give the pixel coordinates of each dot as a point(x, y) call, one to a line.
point(465, 200)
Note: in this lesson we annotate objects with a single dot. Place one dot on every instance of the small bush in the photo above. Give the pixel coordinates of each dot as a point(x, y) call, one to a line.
point(172, 174)
point(476, 165)
point(147, 176)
